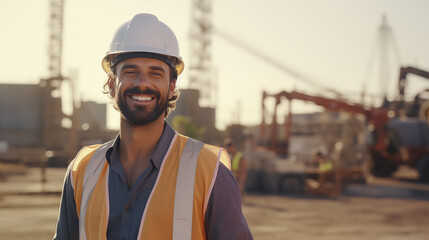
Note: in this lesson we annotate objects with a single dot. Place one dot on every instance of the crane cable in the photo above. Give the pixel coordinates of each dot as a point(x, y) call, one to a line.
point(269, 60)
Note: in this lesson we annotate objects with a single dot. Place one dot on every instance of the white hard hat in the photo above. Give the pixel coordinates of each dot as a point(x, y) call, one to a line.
point(144, 36)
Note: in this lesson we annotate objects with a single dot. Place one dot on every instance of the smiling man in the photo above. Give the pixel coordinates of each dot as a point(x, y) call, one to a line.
point(150, 182)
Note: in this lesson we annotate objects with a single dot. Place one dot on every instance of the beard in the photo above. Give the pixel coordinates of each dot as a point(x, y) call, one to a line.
point(142, 115)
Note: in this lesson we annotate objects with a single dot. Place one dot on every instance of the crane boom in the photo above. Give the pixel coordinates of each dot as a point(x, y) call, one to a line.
point(404, 71)
point(376, 116)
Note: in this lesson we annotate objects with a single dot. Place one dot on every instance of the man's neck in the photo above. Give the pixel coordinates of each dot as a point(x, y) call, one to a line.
point(138, 143)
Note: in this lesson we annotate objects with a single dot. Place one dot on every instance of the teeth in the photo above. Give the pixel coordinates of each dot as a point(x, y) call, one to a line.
point(141, 98)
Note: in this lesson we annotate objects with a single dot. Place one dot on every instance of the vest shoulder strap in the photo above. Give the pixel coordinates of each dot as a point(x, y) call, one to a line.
point(92, 173)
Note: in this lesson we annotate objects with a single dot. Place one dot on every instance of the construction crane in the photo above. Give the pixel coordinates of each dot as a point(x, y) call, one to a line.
point(403, 72)
point(201, 73)
point(377, 116)
point(52, 130)
point(395, 141)
point(55, 135)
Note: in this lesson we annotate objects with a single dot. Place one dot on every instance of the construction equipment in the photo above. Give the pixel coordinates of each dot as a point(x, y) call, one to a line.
point(329, 104)
point(266, 171)
point(393, 141)
point(339, 136)
point(419, 106)
point(412, 124)
point(274, 168)
point(403, 72)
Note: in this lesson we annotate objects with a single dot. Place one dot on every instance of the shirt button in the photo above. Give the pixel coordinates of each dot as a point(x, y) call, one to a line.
point(127, 207)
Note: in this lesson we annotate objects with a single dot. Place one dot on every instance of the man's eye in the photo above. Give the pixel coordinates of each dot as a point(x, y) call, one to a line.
point(156, 74)
point(129, 73)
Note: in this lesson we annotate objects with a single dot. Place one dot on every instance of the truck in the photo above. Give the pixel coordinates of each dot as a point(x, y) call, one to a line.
point(267, 172)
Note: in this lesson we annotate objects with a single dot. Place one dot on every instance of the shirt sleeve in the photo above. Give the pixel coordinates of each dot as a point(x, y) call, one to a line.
point(224, 218)
point(68, 221)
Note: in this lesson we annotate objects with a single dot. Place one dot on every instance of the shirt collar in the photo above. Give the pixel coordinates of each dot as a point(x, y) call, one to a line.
point(163, 145)
point(160, 150)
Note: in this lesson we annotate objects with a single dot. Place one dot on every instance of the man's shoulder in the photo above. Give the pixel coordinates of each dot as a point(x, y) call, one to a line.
point(209, 153)
point(85, 151)
point(209, 149)
point(213, 150)
point(84, 155)
point(216, 153)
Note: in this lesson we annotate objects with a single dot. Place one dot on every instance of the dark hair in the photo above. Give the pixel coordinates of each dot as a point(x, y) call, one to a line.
point(228, 142)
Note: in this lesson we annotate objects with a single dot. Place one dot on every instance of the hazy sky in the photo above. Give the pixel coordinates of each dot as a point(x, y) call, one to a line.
point(328, 41)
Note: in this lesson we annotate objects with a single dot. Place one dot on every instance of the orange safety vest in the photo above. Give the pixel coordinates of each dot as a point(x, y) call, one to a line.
point(177, 204)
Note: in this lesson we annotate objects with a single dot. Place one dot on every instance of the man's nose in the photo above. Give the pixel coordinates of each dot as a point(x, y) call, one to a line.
point(141, 79)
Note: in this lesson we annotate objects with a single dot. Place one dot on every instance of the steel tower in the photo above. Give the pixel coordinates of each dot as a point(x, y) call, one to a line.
point(201, 73)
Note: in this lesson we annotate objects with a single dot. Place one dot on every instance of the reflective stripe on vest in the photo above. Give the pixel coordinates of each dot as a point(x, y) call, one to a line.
point(96, 171)
point(182, 222)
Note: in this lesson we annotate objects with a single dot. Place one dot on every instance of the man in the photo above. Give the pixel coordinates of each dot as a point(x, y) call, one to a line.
point(238, 163)
point(149, 182)
point(324, 163)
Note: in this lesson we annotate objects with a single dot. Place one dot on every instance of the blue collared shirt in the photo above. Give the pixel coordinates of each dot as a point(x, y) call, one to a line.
point(223, 220)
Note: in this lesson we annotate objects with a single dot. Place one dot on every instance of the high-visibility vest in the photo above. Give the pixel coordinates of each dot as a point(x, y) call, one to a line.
point(187, 175)
point(235, 162)
point(326, 166)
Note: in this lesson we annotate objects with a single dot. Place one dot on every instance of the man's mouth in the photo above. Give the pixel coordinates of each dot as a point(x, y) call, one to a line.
point(141, 98)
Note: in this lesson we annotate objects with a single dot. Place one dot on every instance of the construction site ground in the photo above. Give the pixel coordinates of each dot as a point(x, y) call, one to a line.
point(382, 209)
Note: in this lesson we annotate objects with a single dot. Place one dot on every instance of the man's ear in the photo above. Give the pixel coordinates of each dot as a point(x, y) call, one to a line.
point(112, 87)
point(171, 89)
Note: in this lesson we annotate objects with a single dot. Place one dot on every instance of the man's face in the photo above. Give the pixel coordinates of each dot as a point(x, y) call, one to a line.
point(142, 89)
point(231, 149)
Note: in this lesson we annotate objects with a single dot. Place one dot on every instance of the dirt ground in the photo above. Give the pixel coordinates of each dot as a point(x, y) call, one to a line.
point(274, 217)
point(26, 213)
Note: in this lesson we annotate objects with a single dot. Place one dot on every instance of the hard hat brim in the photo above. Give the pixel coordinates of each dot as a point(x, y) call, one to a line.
point(107, 60)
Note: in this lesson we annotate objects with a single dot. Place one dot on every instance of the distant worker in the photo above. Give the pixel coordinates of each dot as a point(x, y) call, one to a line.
point(324, 163)
point(149, 182)
point(238, 163)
